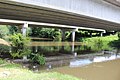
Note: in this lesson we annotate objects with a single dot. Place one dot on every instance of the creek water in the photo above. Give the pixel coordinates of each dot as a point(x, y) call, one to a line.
point(74, 61)
point(68, 54)
point(98, 68)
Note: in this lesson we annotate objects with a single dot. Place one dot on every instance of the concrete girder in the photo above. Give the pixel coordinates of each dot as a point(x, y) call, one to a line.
point(19, 11)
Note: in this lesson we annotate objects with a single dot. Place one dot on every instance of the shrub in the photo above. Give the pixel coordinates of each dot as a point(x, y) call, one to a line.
point(95, 44)
point(100, 43)
point(116, 43)
point(57, 36)
point(20, 45)
point(38, 58)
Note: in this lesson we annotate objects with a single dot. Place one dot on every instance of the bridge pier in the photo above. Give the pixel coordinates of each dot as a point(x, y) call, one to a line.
point(73, 40)
point(63, 34)
point(73, 34)
point(102, 33)
point(24, 32)
point(24, 29)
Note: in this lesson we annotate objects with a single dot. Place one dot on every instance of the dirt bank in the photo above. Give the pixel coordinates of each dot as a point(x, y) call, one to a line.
point(109, 70)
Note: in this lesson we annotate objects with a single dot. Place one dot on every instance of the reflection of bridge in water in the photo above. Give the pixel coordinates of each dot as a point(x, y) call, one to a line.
point(56, 43)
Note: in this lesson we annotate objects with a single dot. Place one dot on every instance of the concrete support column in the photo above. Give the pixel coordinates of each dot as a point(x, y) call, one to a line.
point(63, 34)
point(24, 29)
point(73, 47)
point(73, 34)
point(90, 34)
point(24, 32)
point(101, 34)
point(36, 48)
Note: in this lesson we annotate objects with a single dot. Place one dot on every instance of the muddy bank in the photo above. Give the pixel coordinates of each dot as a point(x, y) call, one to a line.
point(109, 70)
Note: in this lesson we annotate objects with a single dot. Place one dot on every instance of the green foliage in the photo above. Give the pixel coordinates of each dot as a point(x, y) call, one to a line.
point(100, 43)
point(12, 29)
point(42, 32)
point(57, 36)
point(2, 61)
point(95, 44)
point(20, 45)
point(116, 43)
point(46, 33)
point(5, 64)
point(4, 32)
point(38, 58)
point(118, 35)
point(4, 48)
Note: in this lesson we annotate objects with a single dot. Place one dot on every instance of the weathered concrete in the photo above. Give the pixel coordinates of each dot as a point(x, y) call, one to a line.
point(86, 13)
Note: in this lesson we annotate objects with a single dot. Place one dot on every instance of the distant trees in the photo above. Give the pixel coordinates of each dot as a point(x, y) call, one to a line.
point(6, 31)
point(51, 33)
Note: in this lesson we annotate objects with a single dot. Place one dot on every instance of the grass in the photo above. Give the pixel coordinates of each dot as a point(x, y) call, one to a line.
point(10, 71)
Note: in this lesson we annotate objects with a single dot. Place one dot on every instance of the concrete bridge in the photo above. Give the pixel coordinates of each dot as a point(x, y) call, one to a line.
point(76, 14)
point(100, 14)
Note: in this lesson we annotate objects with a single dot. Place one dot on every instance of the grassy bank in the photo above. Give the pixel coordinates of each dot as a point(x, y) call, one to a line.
point(11, 71)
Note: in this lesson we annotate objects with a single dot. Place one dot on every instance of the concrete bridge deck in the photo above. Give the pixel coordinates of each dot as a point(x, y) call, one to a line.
point(106, 17)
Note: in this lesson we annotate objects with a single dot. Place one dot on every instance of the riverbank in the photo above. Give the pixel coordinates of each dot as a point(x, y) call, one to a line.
point(11, 71)
point(59, 61)
point(54, 61)
point(108, 70)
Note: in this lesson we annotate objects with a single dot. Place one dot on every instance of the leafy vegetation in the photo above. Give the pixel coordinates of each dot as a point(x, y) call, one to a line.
point(4, 64)
point(38, 58)
point(100, 43)
point(20, 45)
point(51, 33)
point(6, 31)
point(116, 43)
point(4, 48)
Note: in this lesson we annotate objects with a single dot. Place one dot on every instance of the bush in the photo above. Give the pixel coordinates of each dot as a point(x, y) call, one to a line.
point(57, 36)
point(116, 43)
point(20, 45)
point(38, 58)
point(95, 44)
point(100, 43)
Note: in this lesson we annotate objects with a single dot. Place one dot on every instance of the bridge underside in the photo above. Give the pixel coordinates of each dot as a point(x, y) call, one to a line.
point(20, 11)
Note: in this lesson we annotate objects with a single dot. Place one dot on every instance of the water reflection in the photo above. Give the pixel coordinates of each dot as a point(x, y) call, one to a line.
point(83, 62)
point(79, 62)
point(56, 43)
point(69, 49)
point(106, 58)
point(54, 48)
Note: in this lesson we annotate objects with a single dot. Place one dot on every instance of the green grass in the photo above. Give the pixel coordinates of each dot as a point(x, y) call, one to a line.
point(12, 71)
point(4, 64)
